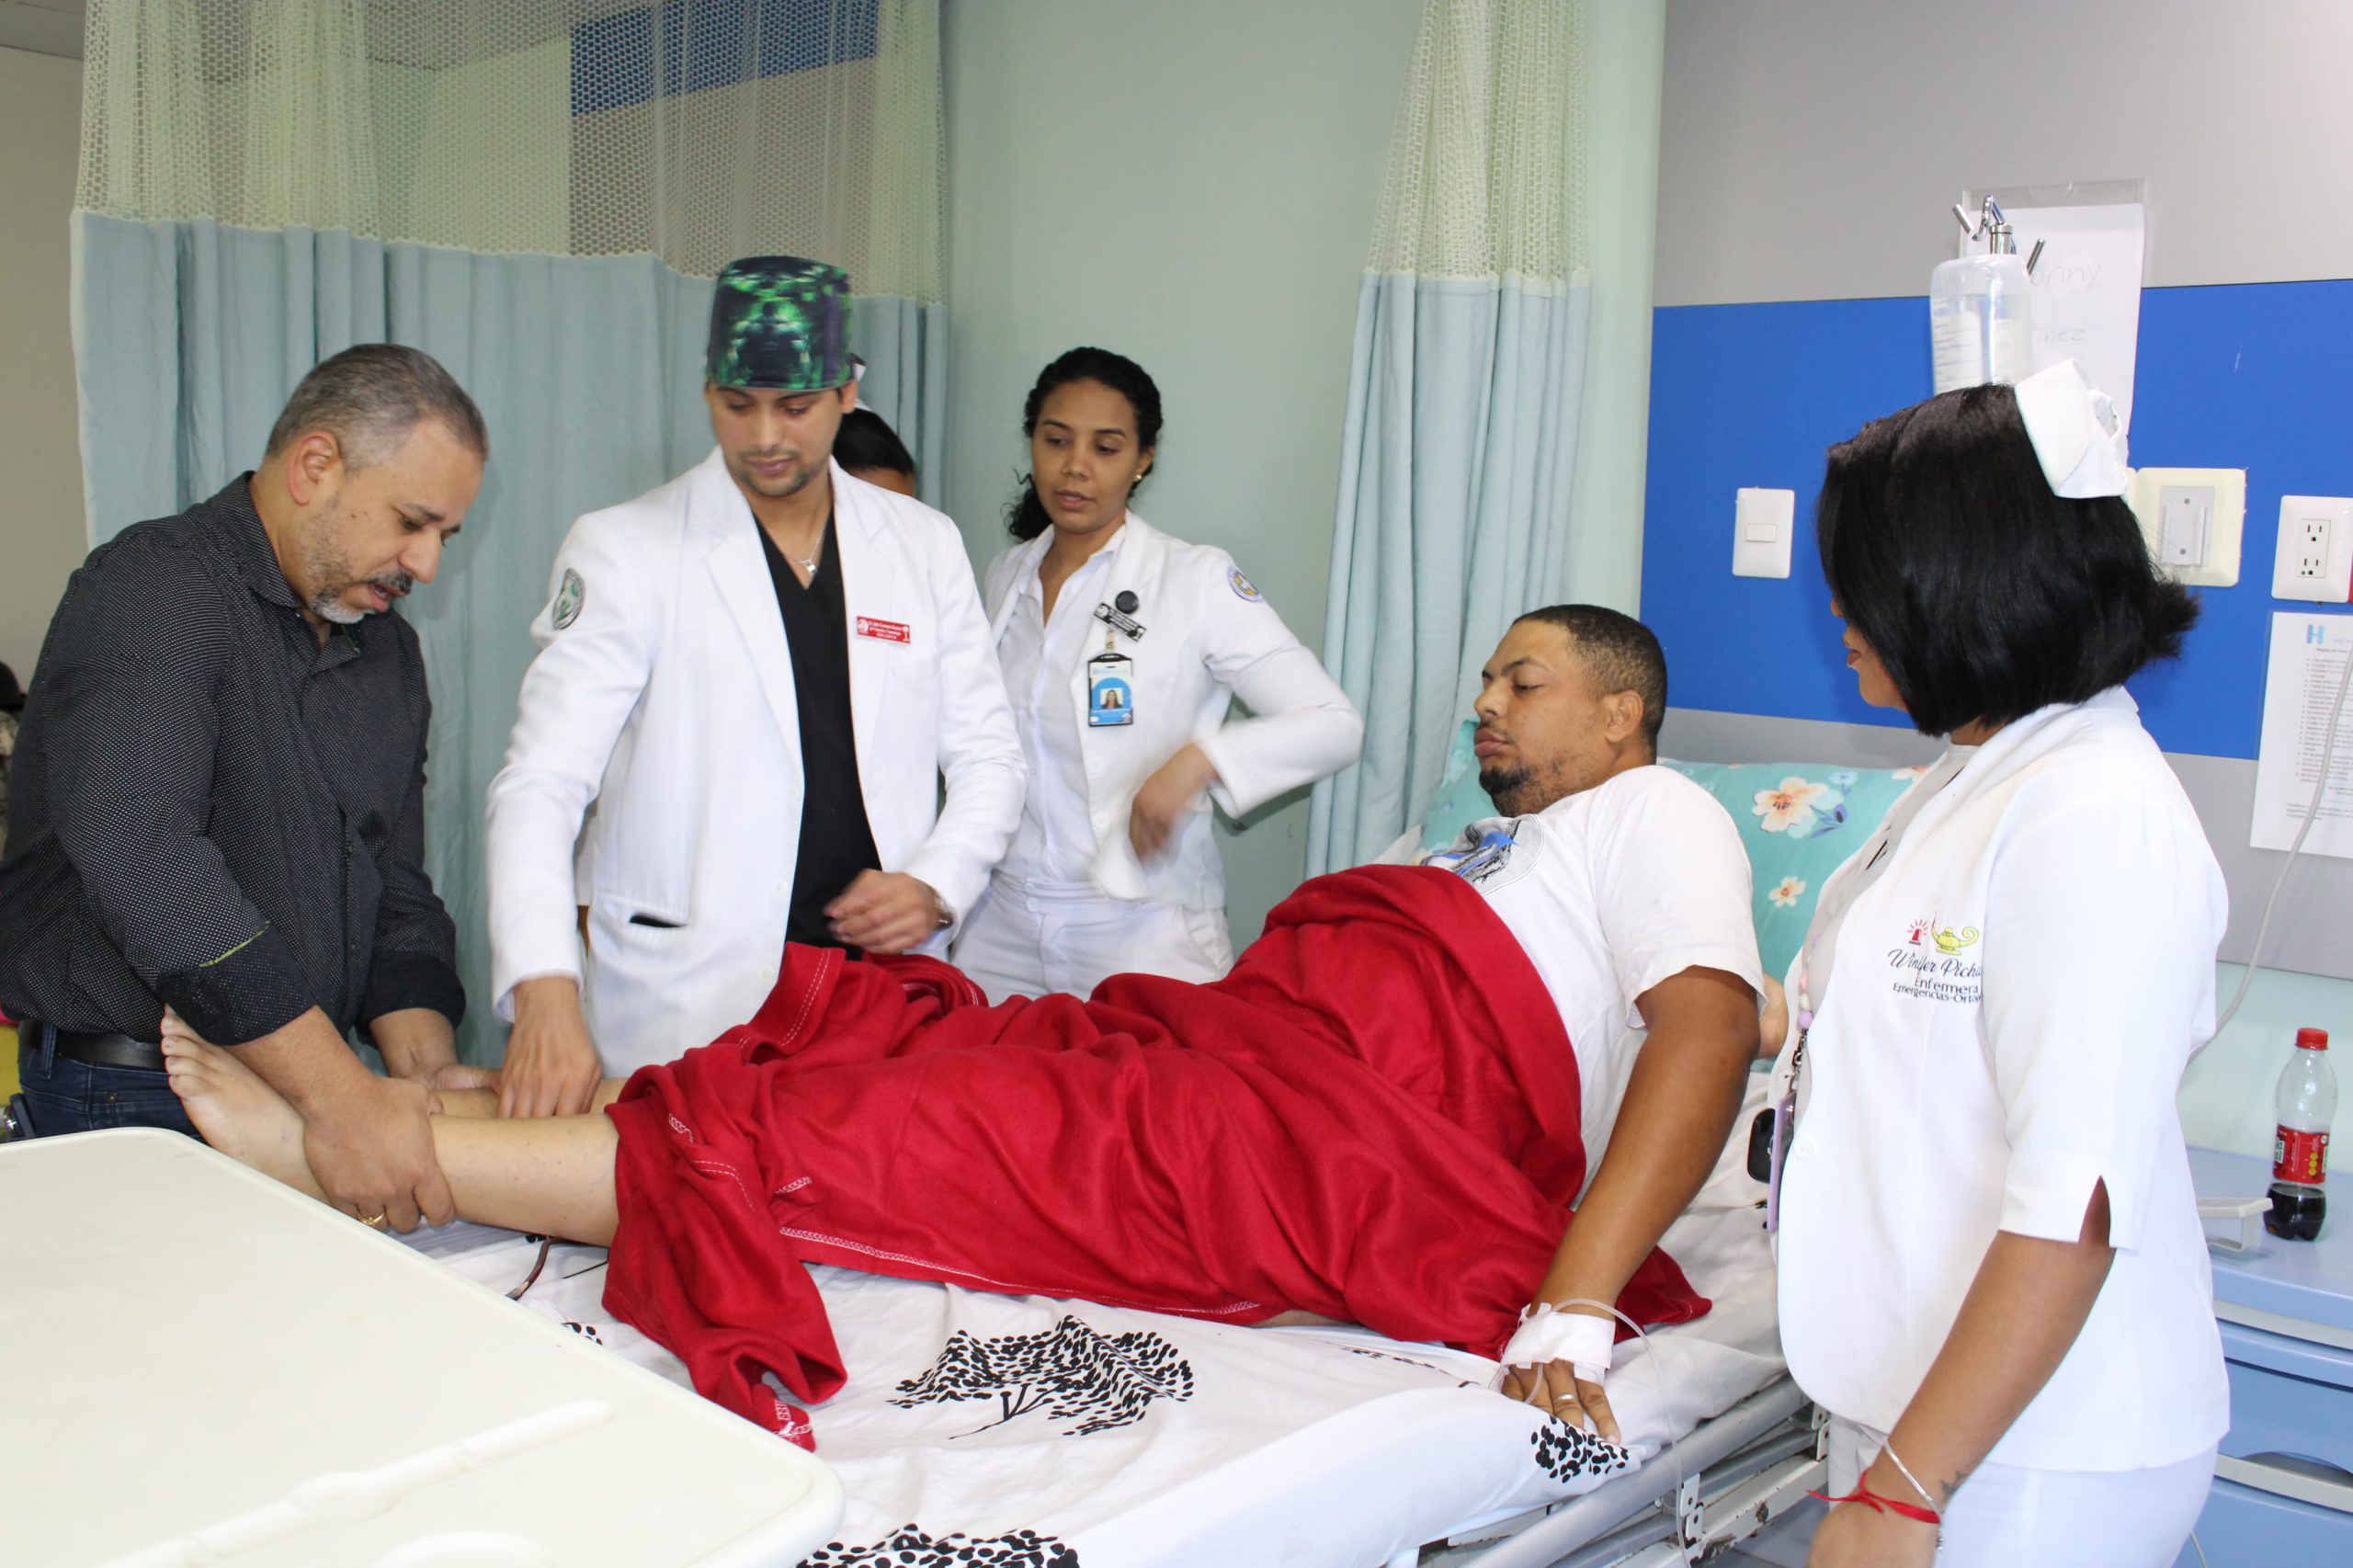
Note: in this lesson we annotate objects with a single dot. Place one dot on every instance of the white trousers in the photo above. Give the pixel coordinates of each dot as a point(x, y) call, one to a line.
point(1035, 938)
point(2011, 1517)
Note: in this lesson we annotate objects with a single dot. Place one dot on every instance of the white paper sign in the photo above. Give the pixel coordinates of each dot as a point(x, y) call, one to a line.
point(2087, 287)
point(2308, 658)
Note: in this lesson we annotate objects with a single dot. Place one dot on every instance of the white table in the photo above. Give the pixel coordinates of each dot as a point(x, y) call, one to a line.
point(203, 1366)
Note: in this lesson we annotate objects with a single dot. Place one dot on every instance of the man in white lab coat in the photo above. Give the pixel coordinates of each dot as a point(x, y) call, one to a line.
point(750, 684)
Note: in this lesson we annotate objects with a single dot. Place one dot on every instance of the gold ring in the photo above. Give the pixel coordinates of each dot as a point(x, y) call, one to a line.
point(374, 1223)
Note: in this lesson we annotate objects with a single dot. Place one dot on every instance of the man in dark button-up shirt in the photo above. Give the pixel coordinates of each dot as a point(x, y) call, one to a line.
point(217, 792)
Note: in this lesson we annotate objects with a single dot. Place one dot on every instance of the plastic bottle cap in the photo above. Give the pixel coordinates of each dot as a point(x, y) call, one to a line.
point(2312, 1039)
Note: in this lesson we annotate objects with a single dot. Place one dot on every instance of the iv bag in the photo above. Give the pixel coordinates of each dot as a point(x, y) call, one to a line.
point(1980, 321)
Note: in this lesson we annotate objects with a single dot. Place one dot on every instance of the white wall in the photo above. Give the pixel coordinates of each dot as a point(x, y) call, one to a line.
point(1812, 147)
point(1192, 186)
point(41, 539)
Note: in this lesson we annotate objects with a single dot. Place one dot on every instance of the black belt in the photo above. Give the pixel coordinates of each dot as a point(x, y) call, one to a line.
point(104, 1048)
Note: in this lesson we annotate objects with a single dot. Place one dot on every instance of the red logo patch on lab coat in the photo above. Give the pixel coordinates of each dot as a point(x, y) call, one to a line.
point(887, 630)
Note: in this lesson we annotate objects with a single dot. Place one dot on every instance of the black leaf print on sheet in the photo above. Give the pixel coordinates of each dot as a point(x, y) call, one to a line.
point(1069, 1371)
point(908, 1547)
point(1566, 1452)
point(1401, 1361)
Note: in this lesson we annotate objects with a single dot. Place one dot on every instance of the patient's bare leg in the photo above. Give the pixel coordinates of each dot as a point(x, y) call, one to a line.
point(477, 1104)
point(552, 1174)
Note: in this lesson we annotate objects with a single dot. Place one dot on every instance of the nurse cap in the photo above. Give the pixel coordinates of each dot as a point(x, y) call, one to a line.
point(2078, 437)
point(780, 321)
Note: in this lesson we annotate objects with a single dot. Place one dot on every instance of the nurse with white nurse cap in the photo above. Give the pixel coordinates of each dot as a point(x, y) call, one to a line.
point(1992, 1271)
point(1123, 649)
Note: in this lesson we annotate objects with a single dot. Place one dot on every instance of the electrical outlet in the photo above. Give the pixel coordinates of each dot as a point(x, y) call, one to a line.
point(2192, 519)
point(2315, 563)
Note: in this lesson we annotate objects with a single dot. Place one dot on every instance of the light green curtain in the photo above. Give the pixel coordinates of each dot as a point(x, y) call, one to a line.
point(537, 202)
point(1463, 401)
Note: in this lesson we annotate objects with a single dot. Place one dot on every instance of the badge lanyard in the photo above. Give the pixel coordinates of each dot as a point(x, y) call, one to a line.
point(1111, 674)
point(1110, 687)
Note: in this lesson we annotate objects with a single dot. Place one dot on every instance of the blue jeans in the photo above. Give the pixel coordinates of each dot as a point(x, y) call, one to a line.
point(65, 1096)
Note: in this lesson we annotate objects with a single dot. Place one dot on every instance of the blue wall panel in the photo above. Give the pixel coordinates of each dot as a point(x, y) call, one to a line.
point(2254, 376)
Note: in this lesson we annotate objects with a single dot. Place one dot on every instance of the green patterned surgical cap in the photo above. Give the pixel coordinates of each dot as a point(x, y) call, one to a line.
point(780, 321)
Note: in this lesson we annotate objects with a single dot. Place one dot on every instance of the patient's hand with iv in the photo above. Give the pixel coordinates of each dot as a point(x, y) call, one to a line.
point(1700, 1034)
point(1556, 1362)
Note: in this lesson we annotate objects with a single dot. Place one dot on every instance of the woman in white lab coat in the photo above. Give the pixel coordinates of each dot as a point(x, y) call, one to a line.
point(1991, 1273)
point(1122, 648)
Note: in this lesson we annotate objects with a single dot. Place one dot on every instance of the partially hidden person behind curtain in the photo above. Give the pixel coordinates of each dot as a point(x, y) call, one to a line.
point(219, 791)
point(1384, 1114)
point(12, 703)
point(749, 684)
point(1992, 1271)
point(1123, 648)
point(867, 449)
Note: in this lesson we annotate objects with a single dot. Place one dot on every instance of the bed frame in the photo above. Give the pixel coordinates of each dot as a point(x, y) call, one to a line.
point(1741, 1471)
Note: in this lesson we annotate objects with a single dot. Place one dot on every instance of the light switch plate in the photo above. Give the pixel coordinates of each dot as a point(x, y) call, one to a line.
point(2316, 560)
point(1762, 522)
point(2193, 519)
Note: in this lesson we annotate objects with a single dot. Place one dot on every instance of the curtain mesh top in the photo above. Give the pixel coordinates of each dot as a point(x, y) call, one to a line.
point(695, 130)
point(1486, 166)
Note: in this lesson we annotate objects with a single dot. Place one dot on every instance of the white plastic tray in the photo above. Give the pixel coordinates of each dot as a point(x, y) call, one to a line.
point(199, 1365)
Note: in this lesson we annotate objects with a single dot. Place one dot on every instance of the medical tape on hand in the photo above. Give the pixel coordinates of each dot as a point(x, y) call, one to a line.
point(1547, 1334)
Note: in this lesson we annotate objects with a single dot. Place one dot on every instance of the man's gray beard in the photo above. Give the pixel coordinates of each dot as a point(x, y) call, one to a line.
point(324, 557)
point(329, 607)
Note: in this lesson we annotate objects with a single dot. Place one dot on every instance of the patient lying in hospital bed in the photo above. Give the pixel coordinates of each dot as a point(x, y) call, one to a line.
point(1381, 1117)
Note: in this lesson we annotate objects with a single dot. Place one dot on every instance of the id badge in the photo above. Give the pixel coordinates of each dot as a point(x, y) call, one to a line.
point(1785, 1115)
point(1110, 690)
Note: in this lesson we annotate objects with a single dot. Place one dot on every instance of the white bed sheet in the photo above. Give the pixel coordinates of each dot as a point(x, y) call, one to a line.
point(993, 1429)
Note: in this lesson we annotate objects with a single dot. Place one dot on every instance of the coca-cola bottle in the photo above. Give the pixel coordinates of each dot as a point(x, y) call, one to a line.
point(2307, 1101)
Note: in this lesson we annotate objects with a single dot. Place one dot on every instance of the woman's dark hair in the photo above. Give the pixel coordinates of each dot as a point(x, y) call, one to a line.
point(1986, 594)
point(1026, 517)
point(866, 442)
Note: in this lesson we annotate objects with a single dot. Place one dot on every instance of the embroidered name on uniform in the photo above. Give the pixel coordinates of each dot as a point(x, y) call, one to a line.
point(884, 631)
point(1937, 977)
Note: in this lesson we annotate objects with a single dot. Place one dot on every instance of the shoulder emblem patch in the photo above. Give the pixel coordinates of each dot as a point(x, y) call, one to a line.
point(1244, 588)
point(570, 595)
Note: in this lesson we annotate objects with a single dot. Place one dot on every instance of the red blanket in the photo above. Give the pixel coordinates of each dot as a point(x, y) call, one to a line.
point(1374, 1117)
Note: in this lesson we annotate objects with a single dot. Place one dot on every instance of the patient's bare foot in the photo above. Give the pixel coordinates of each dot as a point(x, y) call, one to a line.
point(237, 1112)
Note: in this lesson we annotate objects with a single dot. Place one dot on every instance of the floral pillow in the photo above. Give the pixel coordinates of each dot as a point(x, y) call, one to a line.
point(1459, 802)
point(1798, 822)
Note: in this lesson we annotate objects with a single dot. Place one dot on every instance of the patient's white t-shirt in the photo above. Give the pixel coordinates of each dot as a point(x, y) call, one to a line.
point(1610, 891)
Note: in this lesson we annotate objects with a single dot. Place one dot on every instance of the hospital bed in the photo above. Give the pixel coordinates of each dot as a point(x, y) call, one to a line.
point(331, 1394)
point(982, 1428)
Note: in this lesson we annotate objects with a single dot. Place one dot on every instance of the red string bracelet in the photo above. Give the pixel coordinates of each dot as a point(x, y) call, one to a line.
point(1863, 1494)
